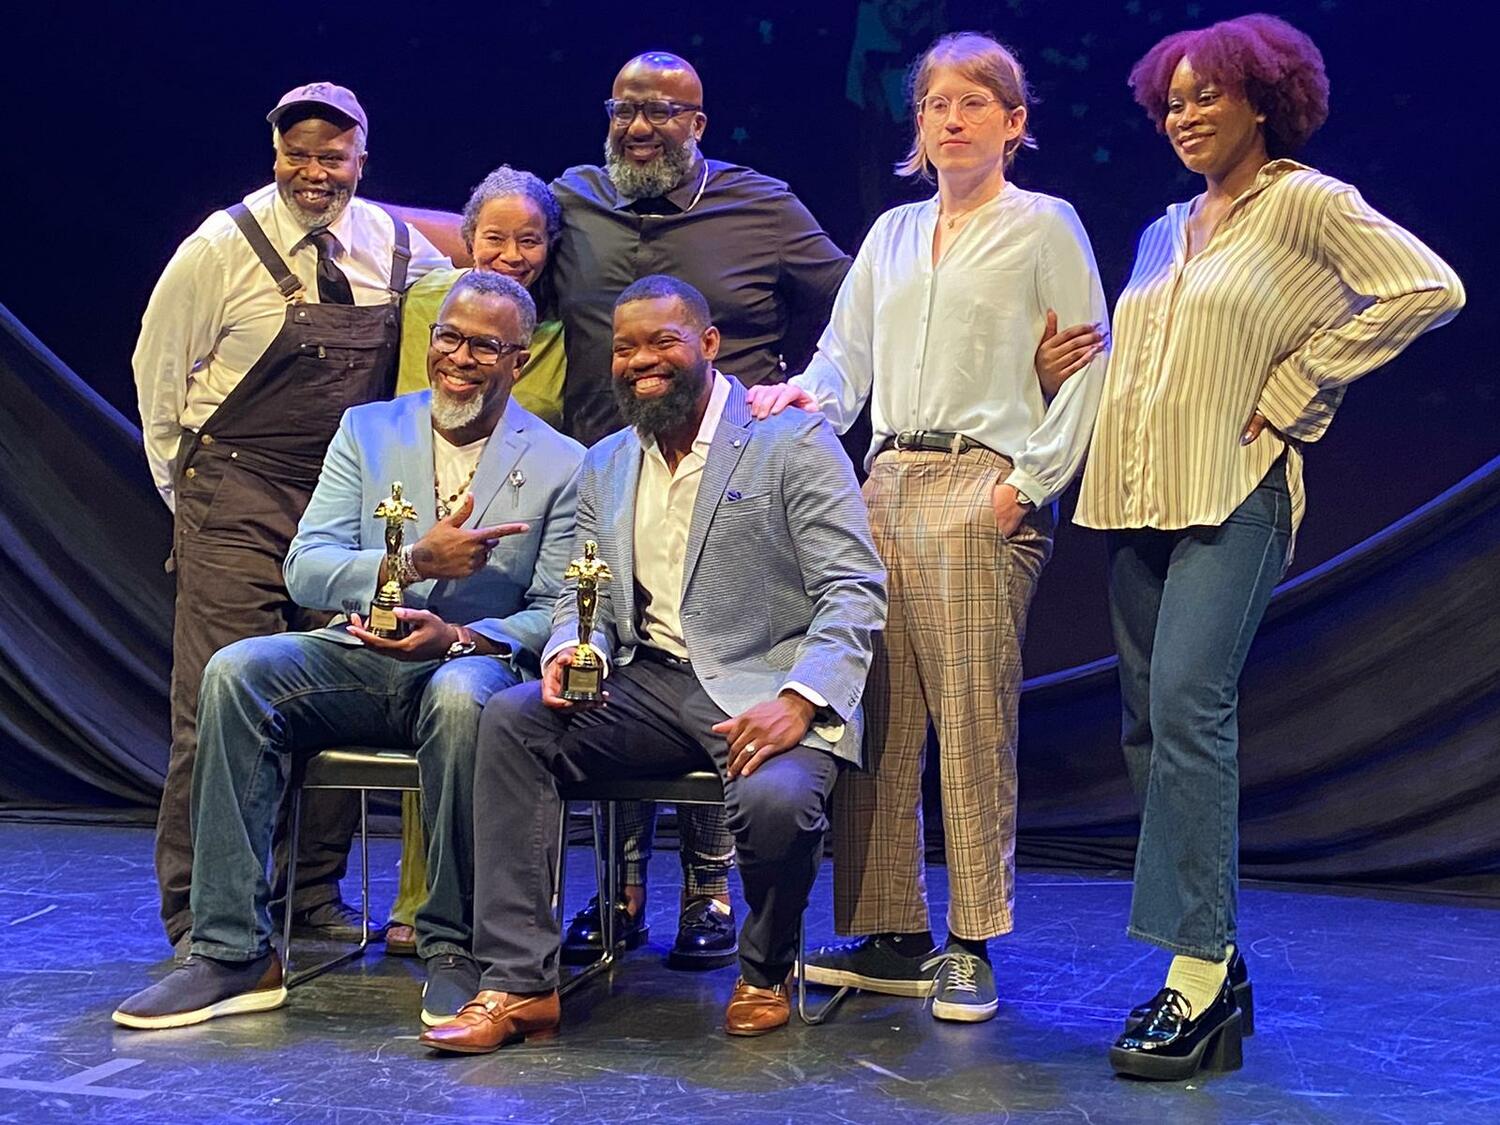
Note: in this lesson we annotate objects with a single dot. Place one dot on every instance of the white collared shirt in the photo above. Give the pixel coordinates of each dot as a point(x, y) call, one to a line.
point(664, 503)
point(216, 309)
point(950, 347)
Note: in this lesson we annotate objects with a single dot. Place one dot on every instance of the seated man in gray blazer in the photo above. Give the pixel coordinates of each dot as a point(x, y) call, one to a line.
point(738, 627)
point(494, 490)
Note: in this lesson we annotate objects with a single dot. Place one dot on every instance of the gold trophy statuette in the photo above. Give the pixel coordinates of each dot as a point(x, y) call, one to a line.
point(383, 620)
point(583, 679)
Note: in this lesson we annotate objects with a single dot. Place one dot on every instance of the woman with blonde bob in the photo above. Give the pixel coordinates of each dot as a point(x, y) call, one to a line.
point(972, 444)
point(1249, 311)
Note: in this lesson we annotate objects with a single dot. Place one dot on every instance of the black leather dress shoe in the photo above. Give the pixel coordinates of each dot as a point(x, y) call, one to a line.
point(1171, 1046)
point(1244, 997)
point(583, 944)
point(705, 936)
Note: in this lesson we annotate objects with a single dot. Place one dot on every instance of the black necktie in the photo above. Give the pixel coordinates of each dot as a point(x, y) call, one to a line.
point(333, 286)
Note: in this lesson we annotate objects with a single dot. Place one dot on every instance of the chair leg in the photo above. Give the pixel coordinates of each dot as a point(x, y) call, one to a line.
point(606, 879)
point(560, 885)
point(826, 1010)
point(291, 885)
point(294, 979)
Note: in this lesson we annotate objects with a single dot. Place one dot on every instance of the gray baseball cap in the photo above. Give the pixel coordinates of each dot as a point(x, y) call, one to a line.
point(327, 94)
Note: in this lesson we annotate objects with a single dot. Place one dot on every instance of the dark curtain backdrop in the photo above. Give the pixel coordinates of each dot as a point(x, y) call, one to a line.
point(1370, 723)
point(127, 124)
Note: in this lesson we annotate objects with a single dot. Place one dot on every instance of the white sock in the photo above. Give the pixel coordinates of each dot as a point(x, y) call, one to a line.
point(1198, 980)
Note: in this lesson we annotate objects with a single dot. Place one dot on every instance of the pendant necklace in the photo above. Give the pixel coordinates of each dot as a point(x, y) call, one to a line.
point(445, 507)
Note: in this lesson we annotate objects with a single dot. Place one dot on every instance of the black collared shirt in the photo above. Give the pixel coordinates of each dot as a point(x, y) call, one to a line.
point(765, 266)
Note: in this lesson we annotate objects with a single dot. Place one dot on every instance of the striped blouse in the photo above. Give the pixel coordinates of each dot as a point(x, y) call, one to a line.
point(1301, 289)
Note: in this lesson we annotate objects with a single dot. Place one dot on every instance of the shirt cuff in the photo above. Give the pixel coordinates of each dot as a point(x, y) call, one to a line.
point(1027, 487)
point(1286, 397)
point(826, 723)
point(807, 693)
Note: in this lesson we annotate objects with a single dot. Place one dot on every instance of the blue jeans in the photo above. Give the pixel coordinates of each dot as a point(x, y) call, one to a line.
point(266, 699)
point(1184, 606)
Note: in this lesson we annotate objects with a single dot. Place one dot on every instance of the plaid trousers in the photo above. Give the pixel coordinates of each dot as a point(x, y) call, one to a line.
point(950, 654)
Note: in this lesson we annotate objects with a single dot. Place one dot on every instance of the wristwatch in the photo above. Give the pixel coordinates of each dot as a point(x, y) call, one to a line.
point(466, 645)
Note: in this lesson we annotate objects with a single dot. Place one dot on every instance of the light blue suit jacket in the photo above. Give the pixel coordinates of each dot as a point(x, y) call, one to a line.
point(781, 580)
point(527, 473)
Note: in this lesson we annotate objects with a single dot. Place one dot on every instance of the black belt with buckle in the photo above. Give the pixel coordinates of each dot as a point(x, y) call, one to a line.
point(661, 656)
point(932, 441)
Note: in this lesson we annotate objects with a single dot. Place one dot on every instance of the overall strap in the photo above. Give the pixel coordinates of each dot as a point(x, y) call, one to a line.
point(400, 254)
point(286, 281)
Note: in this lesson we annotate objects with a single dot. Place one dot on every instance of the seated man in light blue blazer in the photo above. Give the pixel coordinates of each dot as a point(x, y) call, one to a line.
point(494, 490)
point(738, 626)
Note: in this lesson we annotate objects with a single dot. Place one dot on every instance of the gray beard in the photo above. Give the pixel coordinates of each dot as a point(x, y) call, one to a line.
point(653, 417)
point(649, 181)
point(450, 415)
point(316, 220)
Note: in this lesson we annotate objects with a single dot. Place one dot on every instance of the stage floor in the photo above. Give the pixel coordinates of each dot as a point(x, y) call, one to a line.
point(1367, 1010)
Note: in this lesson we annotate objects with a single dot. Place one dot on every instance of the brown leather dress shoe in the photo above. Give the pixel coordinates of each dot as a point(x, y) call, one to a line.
point(755, 1011)
point(493, 1019)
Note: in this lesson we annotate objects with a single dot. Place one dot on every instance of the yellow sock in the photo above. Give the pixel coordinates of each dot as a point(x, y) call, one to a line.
point(1198, 980)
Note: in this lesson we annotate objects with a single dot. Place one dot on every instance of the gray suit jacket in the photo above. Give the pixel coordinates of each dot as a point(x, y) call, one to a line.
point(781, 580)
point(528, 472)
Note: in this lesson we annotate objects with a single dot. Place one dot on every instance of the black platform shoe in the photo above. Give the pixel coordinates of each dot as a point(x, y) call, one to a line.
point(1168, 1046)
point(705, 936)
point(1244, 997)
point(583, 944)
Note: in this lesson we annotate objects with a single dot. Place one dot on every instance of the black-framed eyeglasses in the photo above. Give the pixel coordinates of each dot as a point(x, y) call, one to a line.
point(658, 111)
point(485, 349)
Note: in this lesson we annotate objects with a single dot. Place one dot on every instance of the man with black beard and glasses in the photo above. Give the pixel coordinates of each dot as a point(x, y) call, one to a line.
point(493, 488)
point(769, 274)
point(738, 626)
point(657, 205)
point(271, 319)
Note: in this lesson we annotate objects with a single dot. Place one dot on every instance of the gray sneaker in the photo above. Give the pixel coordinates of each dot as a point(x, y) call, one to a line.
point(202, 988)
point(965, 989)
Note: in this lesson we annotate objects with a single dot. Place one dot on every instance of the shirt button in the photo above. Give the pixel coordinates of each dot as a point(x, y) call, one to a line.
point(191, 473)
point(207, 439)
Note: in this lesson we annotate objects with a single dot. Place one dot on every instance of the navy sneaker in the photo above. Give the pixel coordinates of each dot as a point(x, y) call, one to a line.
point(334, 921)
point(965, 987)
point(874, 964)
point(202, 988)
point(452, 981)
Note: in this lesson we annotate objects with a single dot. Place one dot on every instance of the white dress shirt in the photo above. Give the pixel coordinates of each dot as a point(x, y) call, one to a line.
point(950, 347)
point(216, 309)
point(663, 513)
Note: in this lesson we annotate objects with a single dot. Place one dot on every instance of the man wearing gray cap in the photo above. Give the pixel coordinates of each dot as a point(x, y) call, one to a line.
point(274, 316)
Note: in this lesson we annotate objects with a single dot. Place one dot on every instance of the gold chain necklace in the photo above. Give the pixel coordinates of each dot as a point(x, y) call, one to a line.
point(951, 221)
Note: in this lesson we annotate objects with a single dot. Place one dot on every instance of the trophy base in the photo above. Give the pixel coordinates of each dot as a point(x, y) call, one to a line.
point(582, 685)
point(384, 623)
